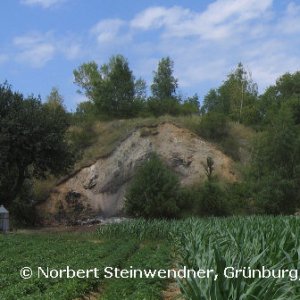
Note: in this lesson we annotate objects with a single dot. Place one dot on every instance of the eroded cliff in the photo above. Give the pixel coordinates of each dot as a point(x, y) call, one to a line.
point(100, 188)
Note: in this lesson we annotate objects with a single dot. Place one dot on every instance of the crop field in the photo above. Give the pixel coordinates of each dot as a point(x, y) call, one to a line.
point(236, 243)
point(217, 244)
point(78, 251)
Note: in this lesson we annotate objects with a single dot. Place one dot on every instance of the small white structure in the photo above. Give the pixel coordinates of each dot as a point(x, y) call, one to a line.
point(4, 219)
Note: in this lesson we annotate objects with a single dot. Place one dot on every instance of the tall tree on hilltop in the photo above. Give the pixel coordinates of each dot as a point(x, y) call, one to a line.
point(55, 101)
point(112, 87)
point(237, 93)
point(164, 83)
point(164, 88)
point(116, 93)
point(87, 77)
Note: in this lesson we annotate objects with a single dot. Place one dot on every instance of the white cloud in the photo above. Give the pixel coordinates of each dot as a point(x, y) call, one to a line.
point(157, 17)
point(220, 20)
point(37, 49)
point(290, 23)
point(70, 46)
point(267, 69)
point(38, 56)
point(72, 51)
point(108, 30)
point(30, 40)
point(207, 45)
point(42, 3)
point(225, 10)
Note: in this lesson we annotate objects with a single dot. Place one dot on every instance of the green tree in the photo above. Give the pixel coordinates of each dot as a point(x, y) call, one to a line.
point(55, 100)
point(140, 88)
point(212, 102)
point(32, 141)
point(190, 106)
point(112, 87)
point(116, 93)
point(212, 201)
point(213, 126)
point(84, 109)
point(276, 165)
point(163, 88)
point(237, 93)
point(288, 85)
point(154, 191)
point(286, 92)
point(164, 83)
point(88, 78)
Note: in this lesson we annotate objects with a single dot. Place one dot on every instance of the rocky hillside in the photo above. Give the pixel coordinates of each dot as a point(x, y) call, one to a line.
point(99, 188)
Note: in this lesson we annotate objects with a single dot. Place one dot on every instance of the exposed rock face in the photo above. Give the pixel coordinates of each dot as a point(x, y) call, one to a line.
point(99, 189)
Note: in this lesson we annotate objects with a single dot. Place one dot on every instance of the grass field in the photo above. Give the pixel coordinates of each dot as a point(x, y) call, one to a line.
point(78, 251)
point(216, 244)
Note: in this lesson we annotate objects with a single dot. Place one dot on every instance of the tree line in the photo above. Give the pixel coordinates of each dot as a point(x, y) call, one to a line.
point(34, 142)
point(114, 92)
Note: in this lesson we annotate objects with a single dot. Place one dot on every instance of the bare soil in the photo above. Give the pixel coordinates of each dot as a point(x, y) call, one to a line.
point(99, 189)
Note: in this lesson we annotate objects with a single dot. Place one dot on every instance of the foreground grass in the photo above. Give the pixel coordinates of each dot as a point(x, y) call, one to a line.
point(213, 243)
point(150, 255)
point(77, 251)
point(216, 243)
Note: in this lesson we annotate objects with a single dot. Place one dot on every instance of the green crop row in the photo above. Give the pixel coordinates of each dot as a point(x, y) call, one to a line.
point(219, 243)
point(212, 243)
point(56, 252)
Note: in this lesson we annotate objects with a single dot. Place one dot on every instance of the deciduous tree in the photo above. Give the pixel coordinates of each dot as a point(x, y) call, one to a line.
point(32, 141)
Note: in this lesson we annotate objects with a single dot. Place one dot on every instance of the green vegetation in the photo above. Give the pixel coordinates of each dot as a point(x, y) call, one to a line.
point(154, 192)
point(111, 87)
point(33, 144)
point(212, 243)
point(234, 97)
point(273, 175)
point(149, 256)
point(163, 88)
point(114, 92)
point(260, 132)
point(232, 242)
point(276, 166)
point(78, 251)
point(240, 243)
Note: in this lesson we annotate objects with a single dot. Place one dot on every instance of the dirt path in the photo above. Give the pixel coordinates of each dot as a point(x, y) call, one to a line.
point(59, 229)
point(172, 292)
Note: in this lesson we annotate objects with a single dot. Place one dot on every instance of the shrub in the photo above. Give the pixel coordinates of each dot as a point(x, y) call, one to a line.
point(154, 191)
point(276, 195)
point(240, 202)
point(83, 136)
point(22, 208)
point(213, 126)
point(188, 200)
point(212, 201)
point(230, 146)
point(169, 106)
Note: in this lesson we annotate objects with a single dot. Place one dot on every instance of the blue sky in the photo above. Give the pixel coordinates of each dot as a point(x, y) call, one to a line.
point(42, 41)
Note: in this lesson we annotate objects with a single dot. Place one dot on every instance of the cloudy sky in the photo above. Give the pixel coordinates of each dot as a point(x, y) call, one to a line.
point(42, 41)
